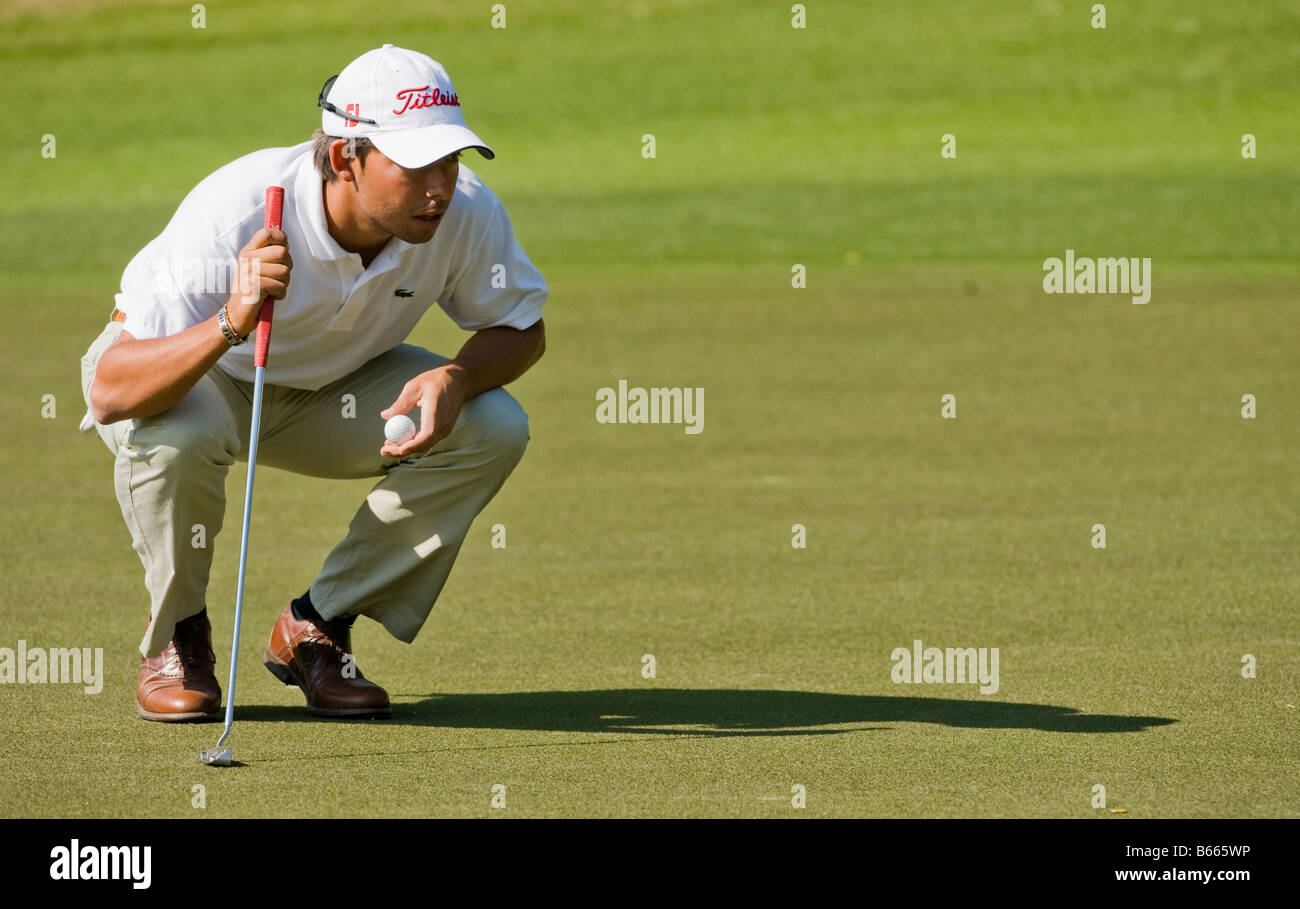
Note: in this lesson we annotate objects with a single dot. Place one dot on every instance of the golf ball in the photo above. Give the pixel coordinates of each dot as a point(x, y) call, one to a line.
point(399, 429)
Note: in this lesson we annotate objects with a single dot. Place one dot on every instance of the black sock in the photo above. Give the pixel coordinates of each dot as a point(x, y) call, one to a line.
point(304, 611)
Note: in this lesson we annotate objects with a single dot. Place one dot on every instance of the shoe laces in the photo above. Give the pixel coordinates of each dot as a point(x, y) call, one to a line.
point(330, 645)
point(193, 648)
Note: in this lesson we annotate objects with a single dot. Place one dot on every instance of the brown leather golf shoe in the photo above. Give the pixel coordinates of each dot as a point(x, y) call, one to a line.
point(318, 659)
point(179, 685)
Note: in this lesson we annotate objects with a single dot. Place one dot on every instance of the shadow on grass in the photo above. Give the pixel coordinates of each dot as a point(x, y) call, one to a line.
point(726, 712)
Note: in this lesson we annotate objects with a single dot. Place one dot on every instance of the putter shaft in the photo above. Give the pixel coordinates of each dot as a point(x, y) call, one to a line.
point(254, 431)
point(219, 754)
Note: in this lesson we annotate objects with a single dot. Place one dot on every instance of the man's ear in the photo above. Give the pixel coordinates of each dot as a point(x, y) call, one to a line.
point(343, 157)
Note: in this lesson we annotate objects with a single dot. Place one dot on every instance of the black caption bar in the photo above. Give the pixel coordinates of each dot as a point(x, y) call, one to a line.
point(335, 857)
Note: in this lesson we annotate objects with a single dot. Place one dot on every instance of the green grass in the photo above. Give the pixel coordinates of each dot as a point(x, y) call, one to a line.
point(774, 147)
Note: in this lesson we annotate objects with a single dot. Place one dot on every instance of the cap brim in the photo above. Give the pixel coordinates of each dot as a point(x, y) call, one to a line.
point(423, 145)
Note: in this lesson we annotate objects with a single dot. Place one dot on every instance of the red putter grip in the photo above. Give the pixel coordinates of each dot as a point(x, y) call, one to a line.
point(274, 208)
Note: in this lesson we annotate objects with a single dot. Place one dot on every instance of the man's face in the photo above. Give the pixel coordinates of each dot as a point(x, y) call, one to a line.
point(407, 203)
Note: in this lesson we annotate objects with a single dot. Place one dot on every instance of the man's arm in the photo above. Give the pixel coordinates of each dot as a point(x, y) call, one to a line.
point(140, 378)
point(137, 378)
point(497, 356)
point(490, 358)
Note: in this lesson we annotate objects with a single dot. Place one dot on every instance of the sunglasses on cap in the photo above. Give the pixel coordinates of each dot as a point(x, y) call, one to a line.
point(334, 108)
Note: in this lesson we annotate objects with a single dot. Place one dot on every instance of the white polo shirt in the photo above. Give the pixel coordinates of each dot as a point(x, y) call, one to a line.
point(336, 315)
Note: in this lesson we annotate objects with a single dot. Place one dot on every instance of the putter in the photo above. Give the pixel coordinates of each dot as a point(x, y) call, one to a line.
point(219, 754)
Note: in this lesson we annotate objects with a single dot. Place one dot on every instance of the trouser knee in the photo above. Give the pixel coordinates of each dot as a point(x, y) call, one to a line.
point(182, 443)
point(496, 423)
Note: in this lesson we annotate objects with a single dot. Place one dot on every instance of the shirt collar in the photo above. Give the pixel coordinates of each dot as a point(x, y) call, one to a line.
point(309, 195)
point(309, 206)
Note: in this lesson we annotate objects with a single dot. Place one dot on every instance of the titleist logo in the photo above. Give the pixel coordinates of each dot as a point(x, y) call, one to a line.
point(412, 99)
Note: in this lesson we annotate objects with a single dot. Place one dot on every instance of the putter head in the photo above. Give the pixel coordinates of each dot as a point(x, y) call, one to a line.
point(217, 756)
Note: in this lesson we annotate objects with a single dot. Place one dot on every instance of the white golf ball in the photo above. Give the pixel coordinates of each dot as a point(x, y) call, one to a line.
point(399, 429)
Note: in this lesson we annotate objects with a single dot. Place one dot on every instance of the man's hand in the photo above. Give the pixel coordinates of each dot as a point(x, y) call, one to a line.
point(264, 267)
point(492, 357)
point(440, 394)
point(140, 378)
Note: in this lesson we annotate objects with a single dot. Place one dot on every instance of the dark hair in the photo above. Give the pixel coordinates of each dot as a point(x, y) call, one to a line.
point(321, 152)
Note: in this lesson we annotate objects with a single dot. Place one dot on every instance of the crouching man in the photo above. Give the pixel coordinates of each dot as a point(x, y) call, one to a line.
point(381, 222)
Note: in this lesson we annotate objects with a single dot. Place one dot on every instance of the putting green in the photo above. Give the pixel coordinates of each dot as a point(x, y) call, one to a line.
point(1120, 667)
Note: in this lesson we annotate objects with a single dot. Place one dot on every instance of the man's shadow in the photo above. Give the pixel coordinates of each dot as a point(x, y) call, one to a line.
point(721, 712)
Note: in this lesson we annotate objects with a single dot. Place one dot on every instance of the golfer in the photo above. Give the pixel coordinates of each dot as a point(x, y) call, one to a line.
point(381, 222)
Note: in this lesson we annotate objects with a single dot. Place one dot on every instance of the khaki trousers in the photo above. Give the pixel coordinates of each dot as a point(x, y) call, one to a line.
point(170, 475)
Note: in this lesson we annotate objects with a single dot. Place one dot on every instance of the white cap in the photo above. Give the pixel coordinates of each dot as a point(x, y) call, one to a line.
point(416, 113)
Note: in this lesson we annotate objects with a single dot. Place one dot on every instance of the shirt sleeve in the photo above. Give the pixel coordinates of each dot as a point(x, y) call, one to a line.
point(499, 284)
point(181, 278)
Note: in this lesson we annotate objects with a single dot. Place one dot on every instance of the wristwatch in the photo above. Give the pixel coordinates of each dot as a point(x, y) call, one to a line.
point(233, 339)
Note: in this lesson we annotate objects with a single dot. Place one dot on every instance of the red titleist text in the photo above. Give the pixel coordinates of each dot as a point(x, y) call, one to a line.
point(416, 98)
